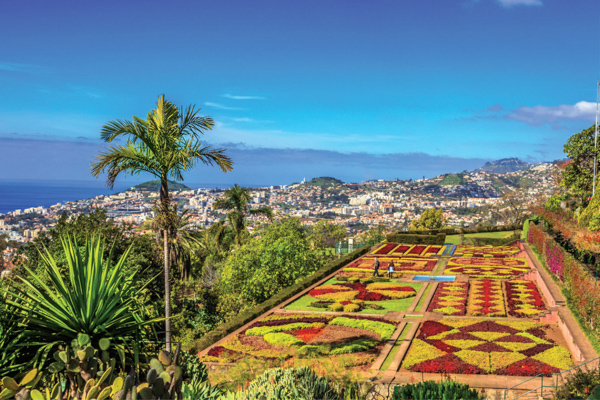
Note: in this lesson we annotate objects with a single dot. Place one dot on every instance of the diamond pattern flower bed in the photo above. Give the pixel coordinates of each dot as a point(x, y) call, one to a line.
point(485, 251)
point(468, 346)
point(279, 337)
point(450, 298)
point(376, 291)
point(395, 249)
point(402, 265)
point(493, 268)
point(524, 299)
point(486, 298)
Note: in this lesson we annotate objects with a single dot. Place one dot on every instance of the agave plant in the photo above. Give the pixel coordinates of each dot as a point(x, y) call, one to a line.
point(95, 298)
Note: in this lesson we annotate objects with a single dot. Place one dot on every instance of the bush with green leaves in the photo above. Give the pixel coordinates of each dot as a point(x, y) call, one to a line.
point(581, 384)
point(447, 390)
point(96, 298)
point(384, 330)
point(588, 213)
point(553, 202)
point(292, 383)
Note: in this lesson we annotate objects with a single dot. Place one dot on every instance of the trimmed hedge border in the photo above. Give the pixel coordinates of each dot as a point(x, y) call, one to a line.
point(493, 241)
point(413, 238)
point(243, 318)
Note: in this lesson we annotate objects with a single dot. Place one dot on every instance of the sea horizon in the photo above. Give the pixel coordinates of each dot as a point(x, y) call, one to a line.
point(22, 194)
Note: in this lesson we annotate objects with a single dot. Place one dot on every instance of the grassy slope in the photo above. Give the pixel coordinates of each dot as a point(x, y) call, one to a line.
point(455, 239)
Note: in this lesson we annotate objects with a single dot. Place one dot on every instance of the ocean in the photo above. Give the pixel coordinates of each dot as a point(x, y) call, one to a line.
point(25, 194)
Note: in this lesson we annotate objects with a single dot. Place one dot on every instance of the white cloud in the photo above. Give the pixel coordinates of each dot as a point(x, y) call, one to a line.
point(234, 97)
point(220, 106)
point(511, 3)
point(540, 115)
point(28, 68)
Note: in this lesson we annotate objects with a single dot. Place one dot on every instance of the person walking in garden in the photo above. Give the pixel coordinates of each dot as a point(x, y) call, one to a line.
point(391, 269)
point(376, 265)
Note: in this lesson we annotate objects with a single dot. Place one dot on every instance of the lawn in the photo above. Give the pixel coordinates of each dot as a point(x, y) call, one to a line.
point(455, 239)
point(402, 304)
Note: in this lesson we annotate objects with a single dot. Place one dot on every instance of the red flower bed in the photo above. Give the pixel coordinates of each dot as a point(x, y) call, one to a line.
point(433, 250)
point(316, 292)
point(488, 326)
point(386, 249)
point(216, 351)
point(537, 349)
point(432, 328)
point(439, 303)
point(442, 346)
point(371, 296)
point(488, 347)
point(417, 250)
point(528, 367)
point(306, 334)
point(449, 364)
point(401, 249)
point(524, 307)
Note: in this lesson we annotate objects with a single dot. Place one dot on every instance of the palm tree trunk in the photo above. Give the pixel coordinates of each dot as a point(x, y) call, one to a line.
point(167, 293)
point(164, 199)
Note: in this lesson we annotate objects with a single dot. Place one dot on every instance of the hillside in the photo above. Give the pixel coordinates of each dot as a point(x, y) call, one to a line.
point(154, 186)
point(453, 180)
point(503, 166)
point(324, 181)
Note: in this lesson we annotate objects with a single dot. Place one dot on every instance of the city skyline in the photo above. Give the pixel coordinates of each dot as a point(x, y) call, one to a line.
point(347, 89)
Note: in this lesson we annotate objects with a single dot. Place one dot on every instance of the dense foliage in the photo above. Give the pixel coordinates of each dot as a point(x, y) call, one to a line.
point(257, 270)
point(577, 175)
point(431, 218)
point(447, 389)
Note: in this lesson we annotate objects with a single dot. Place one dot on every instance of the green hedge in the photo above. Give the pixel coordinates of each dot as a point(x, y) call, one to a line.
point(454, 231)
point(413, 238)
point(492, 241)
point(243, 318)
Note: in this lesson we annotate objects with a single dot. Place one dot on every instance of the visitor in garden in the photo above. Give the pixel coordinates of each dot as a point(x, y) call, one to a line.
point(391, 270)
point(376, 264)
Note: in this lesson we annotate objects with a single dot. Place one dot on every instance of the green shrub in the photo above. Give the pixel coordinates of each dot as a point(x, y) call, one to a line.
point(276, 384)
point(580, 383)
point(374, 306)
point(354, 346)
point(313, 350)
point(335, 307)
point(383, 329)
point(351, 308)
point(282, 339)
point(319, 304)
point(595, 223)
point(353, 279)
point(412, 238)
point(492, 241)
point(448, 390)
point(553, 202)
point(586, 215)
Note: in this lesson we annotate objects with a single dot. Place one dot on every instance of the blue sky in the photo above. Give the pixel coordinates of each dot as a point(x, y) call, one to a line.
point(352, 89)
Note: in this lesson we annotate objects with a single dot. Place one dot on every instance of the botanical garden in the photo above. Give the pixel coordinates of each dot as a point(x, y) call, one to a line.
point(95, 310)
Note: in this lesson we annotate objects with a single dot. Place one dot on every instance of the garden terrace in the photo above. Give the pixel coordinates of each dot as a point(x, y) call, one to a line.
point(481, 267)
point(401, 249)
point(364, 267)
point(493, 321)
point(485, 251)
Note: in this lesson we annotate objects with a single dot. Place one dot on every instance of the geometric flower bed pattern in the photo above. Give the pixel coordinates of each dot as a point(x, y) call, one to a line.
point(402, 265)
point(494, 268)
point(303, 335)
point(486, 298)
point(376, 291)
point(485, 251)
point(524, 299)
point(401, 249)
point(450, 298)
point(503, 347)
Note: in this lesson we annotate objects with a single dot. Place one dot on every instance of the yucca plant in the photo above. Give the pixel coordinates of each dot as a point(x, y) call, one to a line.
point(95, 298)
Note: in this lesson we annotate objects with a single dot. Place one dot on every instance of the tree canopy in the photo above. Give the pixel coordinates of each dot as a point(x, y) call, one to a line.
point(431, 218)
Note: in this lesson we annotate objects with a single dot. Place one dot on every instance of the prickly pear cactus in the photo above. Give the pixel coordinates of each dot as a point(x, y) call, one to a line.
point(163, 379)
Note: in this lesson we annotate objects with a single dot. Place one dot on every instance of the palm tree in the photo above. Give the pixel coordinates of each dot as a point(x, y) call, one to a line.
point(236, 200)
point(165, 144)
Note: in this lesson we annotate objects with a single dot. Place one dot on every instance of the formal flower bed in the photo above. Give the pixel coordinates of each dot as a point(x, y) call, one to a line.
point(402, 265)
point(524, 299)
point(491, 268)
point(279, 337)
point(395, 249)
point(466, 346)
point(376, 291)
point(485, 251)
point(450, 298)
point(486, 298)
